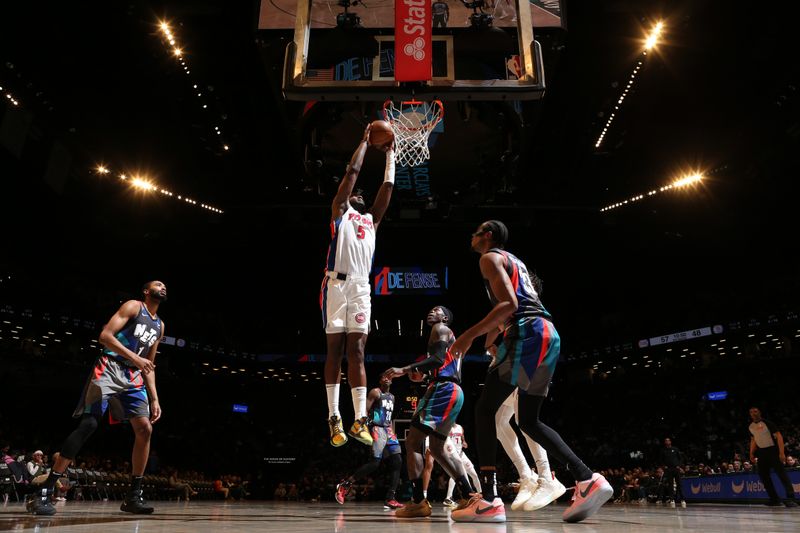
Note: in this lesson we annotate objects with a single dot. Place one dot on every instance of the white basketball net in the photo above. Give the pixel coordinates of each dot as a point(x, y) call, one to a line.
point(412, 123)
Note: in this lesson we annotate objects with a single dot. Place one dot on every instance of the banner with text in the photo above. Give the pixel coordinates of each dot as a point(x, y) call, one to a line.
point(413, 49)
point(734, 486)
point(410, 280)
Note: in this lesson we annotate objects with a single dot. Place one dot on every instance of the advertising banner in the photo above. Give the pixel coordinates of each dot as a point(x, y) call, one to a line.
point(733, 487)
point(410, 280)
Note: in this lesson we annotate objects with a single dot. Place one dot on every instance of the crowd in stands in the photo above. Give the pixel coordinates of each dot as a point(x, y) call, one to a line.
point(92, 477)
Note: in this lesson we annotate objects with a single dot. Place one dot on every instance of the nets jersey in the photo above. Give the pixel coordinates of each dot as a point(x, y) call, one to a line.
point(138, 335)
point(352, 244)
point(451, 368)
point(528, 303)
point(382, 410)
point(457, 436)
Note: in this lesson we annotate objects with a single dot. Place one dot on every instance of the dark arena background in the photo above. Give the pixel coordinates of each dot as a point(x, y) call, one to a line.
point(648, 175)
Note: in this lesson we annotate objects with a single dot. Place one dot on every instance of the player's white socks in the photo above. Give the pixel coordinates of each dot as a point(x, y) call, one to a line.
point(522, 467)
point(333, 399)
point(359, 401)
point(540, 456)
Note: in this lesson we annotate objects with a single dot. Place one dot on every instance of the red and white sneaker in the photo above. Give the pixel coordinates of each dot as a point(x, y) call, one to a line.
point(392, 504)
point(590, 495)
point(480, 510)
point(342, 489)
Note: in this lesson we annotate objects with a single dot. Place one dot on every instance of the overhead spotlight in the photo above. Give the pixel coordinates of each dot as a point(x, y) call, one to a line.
point(652, 39)
point(177, 51)
point(102, 170)
point(688, 180)
point(139, 183)
point(164, 26)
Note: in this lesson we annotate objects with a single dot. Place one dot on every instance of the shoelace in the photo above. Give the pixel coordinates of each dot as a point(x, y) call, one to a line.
point(335, 427)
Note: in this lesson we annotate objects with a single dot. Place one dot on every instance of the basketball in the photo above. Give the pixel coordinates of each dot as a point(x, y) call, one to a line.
point(380, 133)
point(416, 376)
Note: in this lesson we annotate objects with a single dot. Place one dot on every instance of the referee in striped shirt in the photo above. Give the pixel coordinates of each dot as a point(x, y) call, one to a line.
point(766, 445)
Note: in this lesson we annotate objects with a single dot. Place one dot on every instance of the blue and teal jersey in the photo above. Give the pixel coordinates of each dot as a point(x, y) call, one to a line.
point(138, 335)
point(382, 408)
point(528, 302)
point(451, 368)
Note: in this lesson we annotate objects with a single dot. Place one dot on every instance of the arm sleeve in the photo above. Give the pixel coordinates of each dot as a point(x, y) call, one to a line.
point(434, 360)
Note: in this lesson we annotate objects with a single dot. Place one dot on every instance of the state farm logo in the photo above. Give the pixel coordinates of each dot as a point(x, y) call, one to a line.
point(414, 21)
point(416, 49)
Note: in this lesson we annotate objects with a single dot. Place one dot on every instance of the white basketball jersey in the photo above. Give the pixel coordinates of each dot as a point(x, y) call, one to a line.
point(457, 436)
point(352, 244)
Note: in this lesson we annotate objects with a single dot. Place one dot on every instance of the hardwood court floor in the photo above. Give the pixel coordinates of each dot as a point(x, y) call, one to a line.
point(171, 517)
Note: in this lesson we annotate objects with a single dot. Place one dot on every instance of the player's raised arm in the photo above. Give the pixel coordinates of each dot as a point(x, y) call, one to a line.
point(385, 192)
point(348, 182)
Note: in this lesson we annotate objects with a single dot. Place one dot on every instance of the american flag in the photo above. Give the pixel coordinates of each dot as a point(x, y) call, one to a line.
point(320, 74)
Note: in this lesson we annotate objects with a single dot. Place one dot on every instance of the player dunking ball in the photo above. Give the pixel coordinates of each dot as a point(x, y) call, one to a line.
point(380, 405)
point(123, 380)
point(345, 295)
point(436, 412)
point(526, 360)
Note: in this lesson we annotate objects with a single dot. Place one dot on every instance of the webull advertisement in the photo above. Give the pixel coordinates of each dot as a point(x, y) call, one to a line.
point(734, 487)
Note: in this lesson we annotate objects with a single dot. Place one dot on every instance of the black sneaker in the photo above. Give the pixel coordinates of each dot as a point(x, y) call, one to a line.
point(134, 503)
point(40, 504)
point(790, 503)
point(773, 503)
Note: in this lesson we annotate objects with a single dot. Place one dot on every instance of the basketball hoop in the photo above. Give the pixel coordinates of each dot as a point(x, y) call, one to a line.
point(412, 124)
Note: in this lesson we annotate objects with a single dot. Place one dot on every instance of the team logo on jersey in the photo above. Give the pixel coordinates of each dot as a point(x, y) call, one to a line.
point(361, 318)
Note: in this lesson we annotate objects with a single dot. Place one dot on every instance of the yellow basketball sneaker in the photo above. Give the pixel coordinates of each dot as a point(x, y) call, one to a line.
point(338, 437)
point(360, 431)
point(414, 510)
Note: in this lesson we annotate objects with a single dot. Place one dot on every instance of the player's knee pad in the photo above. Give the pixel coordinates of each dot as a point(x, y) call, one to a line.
point(87, 425)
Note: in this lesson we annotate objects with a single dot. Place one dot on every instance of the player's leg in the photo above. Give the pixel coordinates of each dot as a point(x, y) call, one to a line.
point(358, 317)
point(428, 469)
point(471, 472)
point(333, 374)
point(379, 439)
point(451, 463)
point(415, 463)
point(333, 303)
point(133, 405)
point(91, 406)
point(489, 507)
point(40, 504)
point(356, 343)
point(546, 489)
point(448, 499)
point(508, 439)
point(538, 337)
point(394, 461)
point(494, 394)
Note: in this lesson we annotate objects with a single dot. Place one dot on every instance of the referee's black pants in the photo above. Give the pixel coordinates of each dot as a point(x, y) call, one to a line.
point(768, 460)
